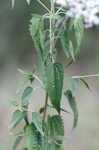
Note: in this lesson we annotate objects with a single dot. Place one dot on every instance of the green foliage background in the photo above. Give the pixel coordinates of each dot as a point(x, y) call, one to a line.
point(16, 51)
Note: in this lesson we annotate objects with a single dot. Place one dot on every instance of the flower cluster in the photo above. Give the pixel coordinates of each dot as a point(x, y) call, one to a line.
point(88, 9)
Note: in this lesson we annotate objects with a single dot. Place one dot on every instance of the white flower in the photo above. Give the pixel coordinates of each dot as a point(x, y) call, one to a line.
point(88, 9)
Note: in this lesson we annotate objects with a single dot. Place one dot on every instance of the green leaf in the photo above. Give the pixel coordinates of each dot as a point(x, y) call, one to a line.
point(73, 106)
point(36, 119)
point(28, 1)
point(39, 35)
point(17, 142)
point(33, 137)
point(56, 127)
point(17, 117)
point(65, 43)
point(21, 84)
point(14, 102)
point(26, 96)
point(54, 83)
point(35, 24)
point(74, 85)
point(79, 30)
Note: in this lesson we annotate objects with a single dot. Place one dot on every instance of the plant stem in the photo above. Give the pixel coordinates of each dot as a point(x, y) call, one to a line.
point(85, 76)
point(45, 107)
point(52, 45)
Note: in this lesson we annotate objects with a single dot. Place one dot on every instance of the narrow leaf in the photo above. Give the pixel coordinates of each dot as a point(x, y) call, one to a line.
point(26, 96)
point(56, 127)
point(17, 117)
point(33, 137)
point(17, 142)
point(73, 106)
point(79, 30)
point(54, 83)
point(36, 119)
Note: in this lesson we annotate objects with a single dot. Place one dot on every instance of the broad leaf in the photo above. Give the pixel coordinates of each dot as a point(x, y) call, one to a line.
point(56, 127)
point(73, 105)
point(33, 137)
point(17, 142)
point(17, 117)
point(36, 119)
point(26, 96)
point(54, 83)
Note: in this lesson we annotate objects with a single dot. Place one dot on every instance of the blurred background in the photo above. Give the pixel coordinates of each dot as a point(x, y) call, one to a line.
point(16, 51)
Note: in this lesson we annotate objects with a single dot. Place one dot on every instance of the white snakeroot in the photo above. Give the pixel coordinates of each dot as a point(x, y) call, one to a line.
point(88, 9)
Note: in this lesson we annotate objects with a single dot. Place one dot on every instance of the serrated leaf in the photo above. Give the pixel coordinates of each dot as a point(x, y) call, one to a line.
point(36, 119)
point(17, 117)
point(33, 137)
point(65, 43)
point(79, 30)
point(38, 35)
point(56, 127)
point(17, 142)
point(54, 83)
point(26, 95)
point(73, 105)
point(35, 24)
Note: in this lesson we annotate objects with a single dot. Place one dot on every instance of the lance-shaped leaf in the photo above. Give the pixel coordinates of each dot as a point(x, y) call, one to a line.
point(36, 119)
point(26, 96)
point(79, 30)
point(55, 128)
point(54, 83)
point(73, 105)
point(35, 24)
point(17, 142)
point(33, 137)
point(17, 117)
